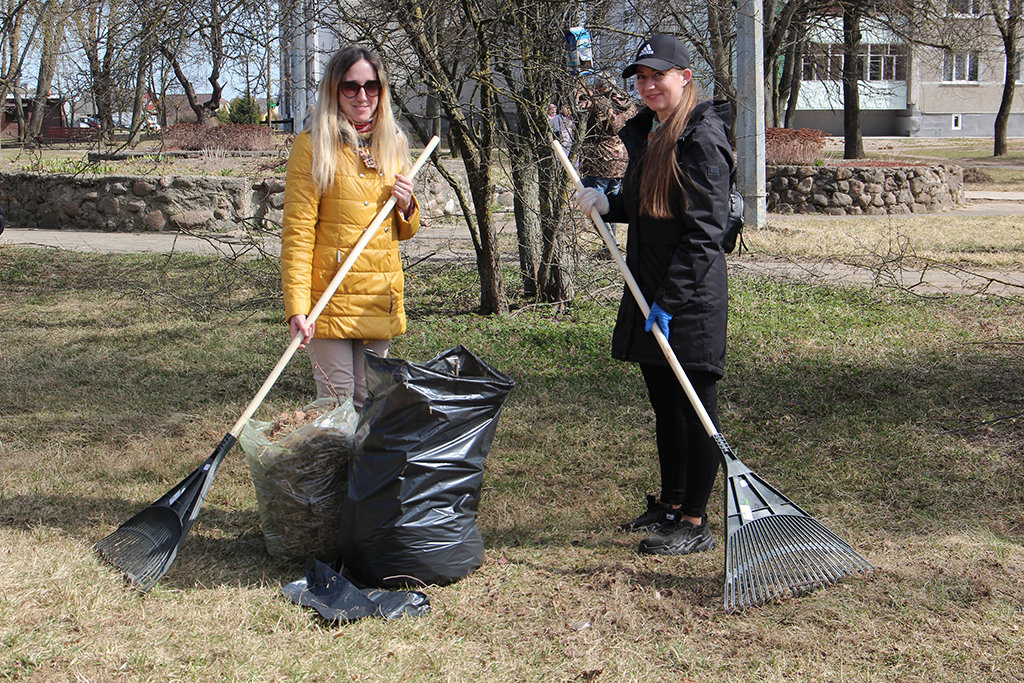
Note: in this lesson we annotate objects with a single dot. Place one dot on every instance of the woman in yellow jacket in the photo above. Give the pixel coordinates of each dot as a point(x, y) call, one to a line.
point(341, 172)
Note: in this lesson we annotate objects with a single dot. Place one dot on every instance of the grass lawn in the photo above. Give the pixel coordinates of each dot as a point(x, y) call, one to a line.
point(896, 420)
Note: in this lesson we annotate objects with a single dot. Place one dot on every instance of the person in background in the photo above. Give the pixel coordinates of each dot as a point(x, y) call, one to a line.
point(561, 127)
point(675, 199)
point(341, 172)
point(603, 157)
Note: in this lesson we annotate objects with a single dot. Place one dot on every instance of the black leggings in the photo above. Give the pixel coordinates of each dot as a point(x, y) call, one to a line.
point(689, 458)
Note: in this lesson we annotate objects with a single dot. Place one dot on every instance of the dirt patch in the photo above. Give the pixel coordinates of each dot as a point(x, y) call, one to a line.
point(976, 175)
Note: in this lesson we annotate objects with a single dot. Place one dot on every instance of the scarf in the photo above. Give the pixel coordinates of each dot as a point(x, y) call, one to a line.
point(364, 131)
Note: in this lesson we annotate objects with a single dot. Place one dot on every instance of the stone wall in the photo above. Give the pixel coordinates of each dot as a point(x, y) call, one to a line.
point(207, 204)
point(851, 191)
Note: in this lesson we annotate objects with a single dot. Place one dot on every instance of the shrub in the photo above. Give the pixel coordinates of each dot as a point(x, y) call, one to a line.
point(788, 147)
point(233, 136)
point(244, 110)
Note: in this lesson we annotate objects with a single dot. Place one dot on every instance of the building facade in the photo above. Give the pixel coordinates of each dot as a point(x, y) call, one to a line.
point(912, 90)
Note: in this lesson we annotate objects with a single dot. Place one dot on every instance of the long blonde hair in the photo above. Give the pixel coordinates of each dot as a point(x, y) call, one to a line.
point(660, 173)
point(330, 129)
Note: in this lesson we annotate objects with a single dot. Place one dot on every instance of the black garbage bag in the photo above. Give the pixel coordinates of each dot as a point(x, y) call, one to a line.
point(336, 599)
point(416, 471)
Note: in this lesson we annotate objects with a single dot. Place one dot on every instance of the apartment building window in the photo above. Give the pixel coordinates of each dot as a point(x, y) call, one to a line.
point(971, 8)
point(875, 62)
point(960, 66)
point(1018, 73)
point(886, 63)
point(823, 62)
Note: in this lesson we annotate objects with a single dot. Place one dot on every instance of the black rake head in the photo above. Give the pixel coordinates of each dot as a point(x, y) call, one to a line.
point(144, 547)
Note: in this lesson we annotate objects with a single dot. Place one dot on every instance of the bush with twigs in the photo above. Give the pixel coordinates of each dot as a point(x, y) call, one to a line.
point(789, 147)
point(234, 136)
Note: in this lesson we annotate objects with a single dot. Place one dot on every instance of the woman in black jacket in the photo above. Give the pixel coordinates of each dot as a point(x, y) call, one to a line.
point(675, 198)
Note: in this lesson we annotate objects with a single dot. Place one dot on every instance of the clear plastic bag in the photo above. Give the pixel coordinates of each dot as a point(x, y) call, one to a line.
point(300, 481)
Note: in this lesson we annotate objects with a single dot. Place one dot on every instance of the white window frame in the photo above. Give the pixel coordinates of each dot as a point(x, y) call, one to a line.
point(975, 8)
point(962, 63)
point(825, 60)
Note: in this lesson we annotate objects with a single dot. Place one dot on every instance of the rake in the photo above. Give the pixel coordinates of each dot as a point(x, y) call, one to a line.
point(145, 546)
point(773, 549)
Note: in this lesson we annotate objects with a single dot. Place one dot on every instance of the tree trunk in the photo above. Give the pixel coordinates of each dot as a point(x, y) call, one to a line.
point(139, 117)
point(186, 85)
point(525, 200)
point(488, 256)
point(53, 42)
point(555, 278)
point(853, 147)
point(1006, 103)
point(1008, 26)
point(799, 42)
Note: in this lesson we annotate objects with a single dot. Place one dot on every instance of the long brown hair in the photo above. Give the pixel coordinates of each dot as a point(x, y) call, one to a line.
point(331, 130)
point(660, 174)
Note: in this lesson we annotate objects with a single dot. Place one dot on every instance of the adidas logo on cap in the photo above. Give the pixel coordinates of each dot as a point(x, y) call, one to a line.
point(645, 50)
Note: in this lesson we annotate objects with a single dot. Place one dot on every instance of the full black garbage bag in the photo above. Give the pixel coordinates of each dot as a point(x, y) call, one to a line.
point(416, 471)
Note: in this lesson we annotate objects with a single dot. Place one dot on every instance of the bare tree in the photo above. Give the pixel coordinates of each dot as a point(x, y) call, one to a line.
point(491, 69)
point(104, 35)
point(472, 126)
point(196, 32)
point(54, 18)
point(14, 55)
point(1007, 16)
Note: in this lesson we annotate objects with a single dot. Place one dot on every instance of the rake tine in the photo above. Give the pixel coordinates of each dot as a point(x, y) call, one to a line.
point(798, 556)
point(790, 552)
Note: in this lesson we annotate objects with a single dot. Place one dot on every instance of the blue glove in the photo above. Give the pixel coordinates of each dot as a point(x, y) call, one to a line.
point(658, 315)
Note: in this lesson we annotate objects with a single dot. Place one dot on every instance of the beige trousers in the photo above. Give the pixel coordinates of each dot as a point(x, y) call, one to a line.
point(339, 368)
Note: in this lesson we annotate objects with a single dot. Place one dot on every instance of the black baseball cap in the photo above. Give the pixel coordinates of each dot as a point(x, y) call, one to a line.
point(661, 52)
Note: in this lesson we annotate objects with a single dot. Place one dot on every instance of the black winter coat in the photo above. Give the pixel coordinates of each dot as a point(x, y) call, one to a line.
point(679, 262)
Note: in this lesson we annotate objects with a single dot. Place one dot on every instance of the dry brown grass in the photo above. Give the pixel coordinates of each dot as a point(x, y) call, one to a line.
point(979, 241)
point(111, 390)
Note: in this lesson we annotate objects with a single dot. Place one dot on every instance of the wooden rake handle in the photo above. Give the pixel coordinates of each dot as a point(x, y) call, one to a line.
point(670, 355)
point(321, 303)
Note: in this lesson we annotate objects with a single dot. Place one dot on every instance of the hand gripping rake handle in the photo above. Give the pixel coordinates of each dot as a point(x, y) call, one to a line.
point(670, 355)
point(367, 235)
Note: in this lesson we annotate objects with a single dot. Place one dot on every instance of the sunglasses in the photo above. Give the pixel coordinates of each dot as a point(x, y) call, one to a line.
point(350, 88)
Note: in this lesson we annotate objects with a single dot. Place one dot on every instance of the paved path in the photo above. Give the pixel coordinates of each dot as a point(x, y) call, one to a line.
point(454, 241)
point(979, 204)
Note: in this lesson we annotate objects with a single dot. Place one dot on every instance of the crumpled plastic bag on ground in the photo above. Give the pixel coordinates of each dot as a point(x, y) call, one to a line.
point(417, 469)
point(300, 481)
point(336, 599)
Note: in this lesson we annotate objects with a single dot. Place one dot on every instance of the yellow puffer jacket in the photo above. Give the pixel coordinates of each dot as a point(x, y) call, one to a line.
point(318, 233)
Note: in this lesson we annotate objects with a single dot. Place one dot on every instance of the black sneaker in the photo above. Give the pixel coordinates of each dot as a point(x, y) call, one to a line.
point(651, 519)
point(677, 536)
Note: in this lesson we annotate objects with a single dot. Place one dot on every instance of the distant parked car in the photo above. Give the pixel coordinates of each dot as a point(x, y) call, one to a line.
point(88, 122)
